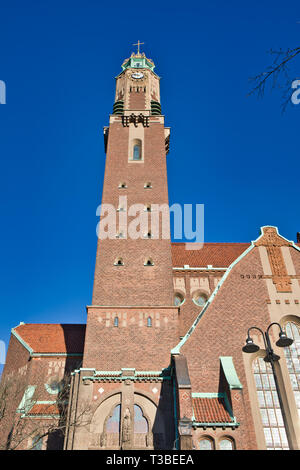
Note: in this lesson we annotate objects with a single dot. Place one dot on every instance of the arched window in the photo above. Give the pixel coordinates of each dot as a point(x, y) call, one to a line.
point(226, 444)
point(292, 356)
point(116, 321)
point(200, 299)
point(206, 444)
point(178, 299)
point(113, 422)
point(137, 150)
point(149, 321)
point(140, 422)
point(148, 262)
point(119, 262)
point(274, 430)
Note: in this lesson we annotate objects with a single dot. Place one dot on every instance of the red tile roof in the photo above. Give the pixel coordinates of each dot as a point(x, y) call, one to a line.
point(210, 410)
point(44, 409)
point(53, 338)
point(219, 255)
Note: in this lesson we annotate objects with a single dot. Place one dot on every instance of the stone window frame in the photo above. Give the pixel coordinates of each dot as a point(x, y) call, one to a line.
point(198, 293)
point(179, 294)
point(205, 437)
point(226, 438)
point(291, 394)
point(258, 420)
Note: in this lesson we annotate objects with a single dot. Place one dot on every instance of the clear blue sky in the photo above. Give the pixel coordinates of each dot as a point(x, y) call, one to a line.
point(236, 154)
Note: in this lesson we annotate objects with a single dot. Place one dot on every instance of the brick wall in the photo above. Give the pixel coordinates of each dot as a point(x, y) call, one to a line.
point(240, 304)
point(132, 343)
point(134, 283)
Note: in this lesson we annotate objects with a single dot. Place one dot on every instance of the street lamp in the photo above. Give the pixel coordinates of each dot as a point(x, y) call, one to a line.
point(185, 426)
point(271, 357)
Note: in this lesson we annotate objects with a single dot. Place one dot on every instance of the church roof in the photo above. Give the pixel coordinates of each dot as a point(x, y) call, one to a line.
point(42, 409)
point(52, 338)
point(211, 410)
point(219, 255)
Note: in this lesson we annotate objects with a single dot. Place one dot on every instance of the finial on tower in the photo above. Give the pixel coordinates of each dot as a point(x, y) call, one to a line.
point(138, 46)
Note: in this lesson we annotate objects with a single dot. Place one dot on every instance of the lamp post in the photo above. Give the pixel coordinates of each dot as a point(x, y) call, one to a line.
point(271, 357)
point(185, 432)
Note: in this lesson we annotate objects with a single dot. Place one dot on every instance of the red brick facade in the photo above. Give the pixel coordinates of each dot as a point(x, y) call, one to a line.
point(141, 366)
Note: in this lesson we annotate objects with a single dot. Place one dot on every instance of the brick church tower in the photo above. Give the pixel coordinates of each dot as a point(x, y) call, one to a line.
point(132, 323)
point(159, 363)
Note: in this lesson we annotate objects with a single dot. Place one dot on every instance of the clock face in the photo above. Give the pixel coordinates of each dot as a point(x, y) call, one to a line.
point(137, 75)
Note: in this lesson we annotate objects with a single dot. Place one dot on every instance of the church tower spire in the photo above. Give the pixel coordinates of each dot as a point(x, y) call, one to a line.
point(133, 284)
point(135, 271)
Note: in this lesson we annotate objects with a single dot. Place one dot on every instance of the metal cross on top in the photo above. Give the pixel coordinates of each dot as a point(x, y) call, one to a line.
point(138, 45)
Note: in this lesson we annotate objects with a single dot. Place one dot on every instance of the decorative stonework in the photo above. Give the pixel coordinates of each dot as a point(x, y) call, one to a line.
point(273, 243)
point(126, 120)
point(270, 237)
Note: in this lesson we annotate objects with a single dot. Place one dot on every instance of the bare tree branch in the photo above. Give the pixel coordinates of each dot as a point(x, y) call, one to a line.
point(277, 74)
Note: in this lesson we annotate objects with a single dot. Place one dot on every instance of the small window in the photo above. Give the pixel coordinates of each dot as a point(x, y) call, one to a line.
point(147, 185)
point(149, 321)
point(116, 321)
point(37, 443)
point(122, 185)
point(147, 208)
point(148, 235)
point(120, 235)
point(149, 262)
point(137, 152)
point(200, 299)
point(119, 262)
point(178, 299)
point(226, 444)
point(121, 209)
point(53, 386)
point(206, 444)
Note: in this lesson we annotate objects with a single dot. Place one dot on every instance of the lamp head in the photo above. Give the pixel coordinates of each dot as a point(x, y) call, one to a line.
point(250, 346)
point(284, 341)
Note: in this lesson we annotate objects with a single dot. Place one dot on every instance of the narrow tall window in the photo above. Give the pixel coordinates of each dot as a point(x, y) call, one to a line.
point(137, 150)
point(292, 357)
point(274, 430)
point(149, 321)
point(116, 321)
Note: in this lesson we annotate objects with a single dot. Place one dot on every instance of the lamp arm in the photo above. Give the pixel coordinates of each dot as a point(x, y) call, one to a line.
point(263, 335)
point(274, 323)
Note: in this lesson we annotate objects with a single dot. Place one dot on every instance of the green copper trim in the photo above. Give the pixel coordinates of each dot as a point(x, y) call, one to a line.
point(57, 354)
point(230, 373)
point(125, 377)
point(207, 395)
point(139, 63)
point(233, 424)
point(26, 346)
